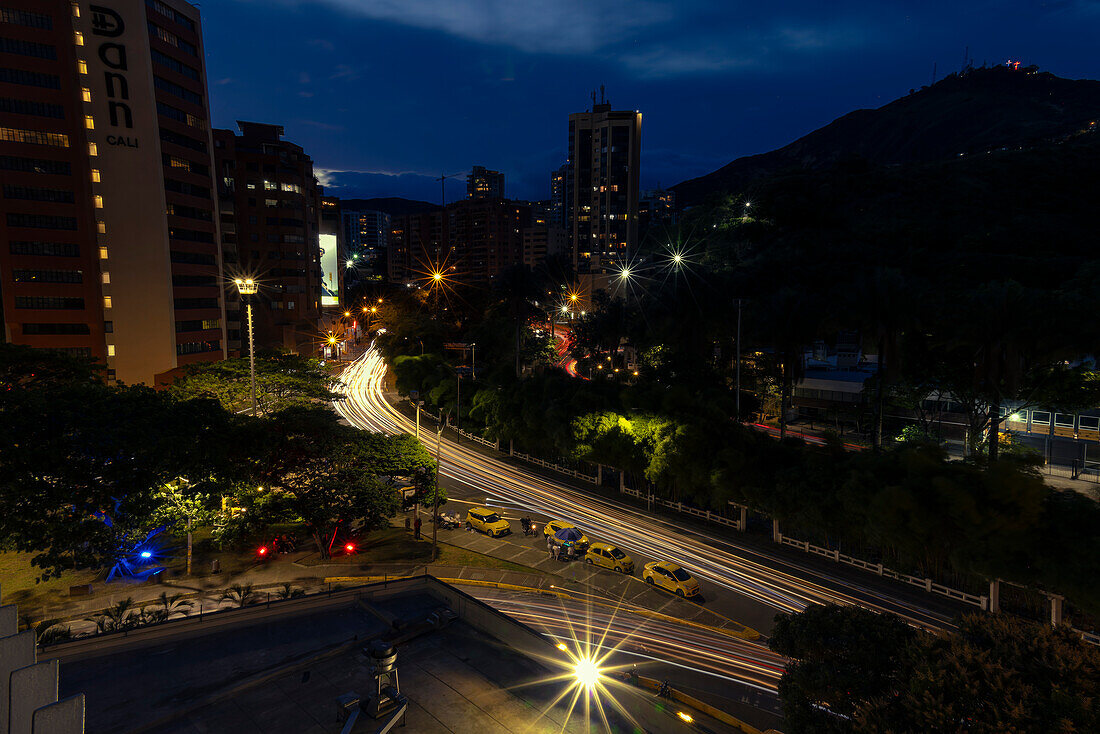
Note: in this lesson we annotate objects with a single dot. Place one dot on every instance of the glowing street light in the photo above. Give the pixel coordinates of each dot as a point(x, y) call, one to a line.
point(248, 287)
point(586, 673)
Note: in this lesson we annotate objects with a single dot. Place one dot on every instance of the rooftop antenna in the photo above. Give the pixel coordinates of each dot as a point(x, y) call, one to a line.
point(593, 100)
point(933, 72)
point(966, 58)
point(601, 95)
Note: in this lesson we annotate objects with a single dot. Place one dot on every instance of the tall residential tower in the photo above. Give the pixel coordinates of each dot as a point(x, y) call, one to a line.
point(602, 212)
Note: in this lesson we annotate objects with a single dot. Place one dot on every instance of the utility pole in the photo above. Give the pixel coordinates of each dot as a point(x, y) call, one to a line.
point(435, 509)
point(738, 360)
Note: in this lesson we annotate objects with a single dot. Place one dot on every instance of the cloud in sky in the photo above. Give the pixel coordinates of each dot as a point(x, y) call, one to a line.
point(648, 37)
point(537, 26)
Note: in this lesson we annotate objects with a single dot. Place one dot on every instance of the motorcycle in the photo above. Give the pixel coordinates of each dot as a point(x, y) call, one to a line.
point(448, 522)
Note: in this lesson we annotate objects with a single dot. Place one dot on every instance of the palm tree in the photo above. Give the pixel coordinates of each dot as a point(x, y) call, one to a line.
point(241, 595)
point(289, 592)
point(173, 604)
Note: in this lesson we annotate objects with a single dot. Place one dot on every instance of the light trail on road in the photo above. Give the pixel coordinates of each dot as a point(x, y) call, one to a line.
point(751, 574)
point(690, 648)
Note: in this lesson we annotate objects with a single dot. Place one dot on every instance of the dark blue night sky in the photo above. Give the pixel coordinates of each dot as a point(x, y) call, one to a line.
point(386, 94)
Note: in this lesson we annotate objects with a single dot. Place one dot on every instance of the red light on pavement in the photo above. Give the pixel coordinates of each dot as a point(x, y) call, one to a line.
point(350, 547)
point(262, 550)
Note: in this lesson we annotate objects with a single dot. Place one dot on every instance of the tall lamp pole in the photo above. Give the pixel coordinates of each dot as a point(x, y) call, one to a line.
point(247, 288)
point(435, 508)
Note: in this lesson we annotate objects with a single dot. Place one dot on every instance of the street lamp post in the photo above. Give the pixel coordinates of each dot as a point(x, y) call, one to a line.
point(435, 508)
point(247, 288)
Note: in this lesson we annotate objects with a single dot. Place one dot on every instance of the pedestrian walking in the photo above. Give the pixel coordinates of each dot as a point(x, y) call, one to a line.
point(416, 527)
point(550, 545)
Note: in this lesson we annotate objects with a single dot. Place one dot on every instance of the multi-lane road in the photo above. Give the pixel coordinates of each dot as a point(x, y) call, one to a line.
point(772, 582)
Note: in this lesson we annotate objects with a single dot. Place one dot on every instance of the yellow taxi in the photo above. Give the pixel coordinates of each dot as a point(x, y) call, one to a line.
point(609, 556)
point(487, 521)
point(554, 526)
point(671, 577)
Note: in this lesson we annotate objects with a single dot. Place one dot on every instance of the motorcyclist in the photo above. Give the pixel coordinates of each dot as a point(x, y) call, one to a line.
point(526, 523)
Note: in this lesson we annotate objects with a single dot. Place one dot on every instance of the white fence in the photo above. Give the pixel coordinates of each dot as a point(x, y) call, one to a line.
point(478, 439)
point(928, 585)
point(576, 474)
point(556, 467)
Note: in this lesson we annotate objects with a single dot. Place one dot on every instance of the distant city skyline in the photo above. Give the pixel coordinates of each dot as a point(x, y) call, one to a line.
point(387, 96)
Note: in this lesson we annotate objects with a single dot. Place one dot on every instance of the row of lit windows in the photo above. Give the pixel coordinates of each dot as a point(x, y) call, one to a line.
point(33, 137)
point(172, 39)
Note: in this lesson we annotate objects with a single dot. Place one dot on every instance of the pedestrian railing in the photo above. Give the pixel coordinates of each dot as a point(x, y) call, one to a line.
point(555, 467)
point(927, 584)
point(478, 439)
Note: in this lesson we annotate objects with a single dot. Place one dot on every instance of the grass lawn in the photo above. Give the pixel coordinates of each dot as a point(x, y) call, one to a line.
point(18, 576)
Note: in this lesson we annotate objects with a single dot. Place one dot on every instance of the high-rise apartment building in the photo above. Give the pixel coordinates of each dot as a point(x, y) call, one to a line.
point(417, 243)
point(560, 198)
point(270, 209)
point(108, 239)
point(484, 184)
point(656, 208)
point(541, 242)
point(366, 236)
point(604, 155)
point(485, 236)
point(473, 240)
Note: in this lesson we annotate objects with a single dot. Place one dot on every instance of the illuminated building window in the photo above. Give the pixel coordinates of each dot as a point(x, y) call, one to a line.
point(106, 278)
point(76, 10)
point(101, 227)
point(270, 185)
point(95, 175)
point(89, 122)
point(110, 350)
point(106, 301)
point(78, 38)
point(98, 201)
point(86, 94)
point(92, 150)
point(82, 66)
point(103, 253)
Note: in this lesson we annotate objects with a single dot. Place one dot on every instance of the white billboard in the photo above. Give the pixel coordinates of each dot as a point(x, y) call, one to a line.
point(330, 275)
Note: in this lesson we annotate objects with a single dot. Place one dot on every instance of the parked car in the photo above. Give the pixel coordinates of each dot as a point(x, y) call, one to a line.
point(487, 521)
point(671, 577)
point(552, 528)
point(609, 556)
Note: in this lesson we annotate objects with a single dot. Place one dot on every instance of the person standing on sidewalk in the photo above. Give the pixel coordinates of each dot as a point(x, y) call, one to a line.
point(550, 545)
point(416, 527)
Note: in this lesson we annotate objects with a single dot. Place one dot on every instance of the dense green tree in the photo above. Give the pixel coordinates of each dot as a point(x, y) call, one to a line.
point(842, 658)
point(281, 380)
point(80, 466)
point(853, 670)
point(333, 476)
